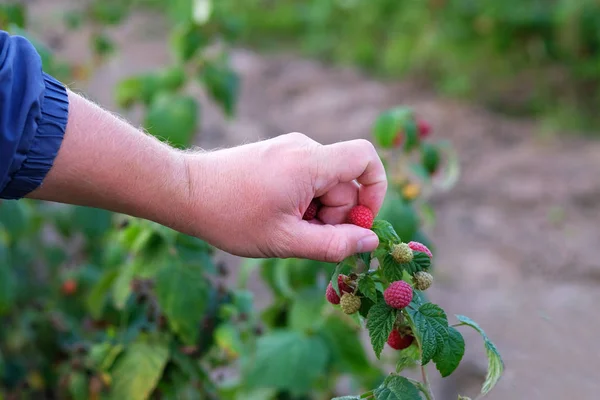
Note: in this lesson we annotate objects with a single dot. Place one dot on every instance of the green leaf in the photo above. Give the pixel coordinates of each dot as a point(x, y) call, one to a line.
point(392, 270)
point(137, 372)
point(447, 360)
point(388, 125)
point(109, 12)
point(97, 297)
point(7, 281)
point(223, 85)
point(173, 118)
point(367, 287)
point(346, 398)
point(94, 223)
point(397, 388)
point(421, 261)
point(430, 325)
point(78, 386)
point(13, 13)
point(411, 132)
point(187, 40)
point(430, 158)
point(343, 340)
point(14, 218)
point(380, 323)
point(495, 362)
point(287, 360)
point(408, 358)
point(385, 232)
point(103, 45)
point(305, 313)
point(182, 293)
point(122, 285)
point(103, 355)
point(365, 307)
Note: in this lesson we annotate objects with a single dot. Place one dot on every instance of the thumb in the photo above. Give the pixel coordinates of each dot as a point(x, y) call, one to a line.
point(332, 243)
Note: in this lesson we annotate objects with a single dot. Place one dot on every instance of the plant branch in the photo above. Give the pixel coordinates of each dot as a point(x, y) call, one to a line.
point(422, 388)
point(426, 383)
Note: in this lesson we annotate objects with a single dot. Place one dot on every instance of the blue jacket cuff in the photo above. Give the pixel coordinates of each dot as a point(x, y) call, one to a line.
point(51, 126)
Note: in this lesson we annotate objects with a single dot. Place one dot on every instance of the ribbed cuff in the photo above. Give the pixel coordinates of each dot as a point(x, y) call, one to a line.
point(46, 143)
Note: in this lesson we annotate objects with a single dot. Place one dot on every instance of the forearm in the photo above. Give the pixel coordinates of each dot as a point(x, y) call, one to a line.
point(106, 163)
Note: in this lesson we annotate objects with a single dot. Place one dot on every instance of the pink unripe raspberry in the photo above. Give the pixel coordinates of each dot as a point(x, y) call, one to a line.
point(330, 293)
point(416, 246)
point(398, 295)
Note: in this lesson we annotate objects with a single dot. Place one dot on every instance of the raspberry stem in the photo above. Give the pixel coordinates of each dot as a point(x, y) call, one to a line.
point(427, 391)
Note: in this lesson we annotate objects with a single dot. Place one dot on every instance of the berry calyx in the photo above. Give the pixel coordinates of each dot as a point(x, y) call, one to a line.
point(424, 128)
point(416, 246)
point(312, 210)
point(330, 293)
point(402, 253)
point(398, 341)
point(398, 295)
point(361, 216)
point(350, 303)
point(423, 280)
point(69, 287)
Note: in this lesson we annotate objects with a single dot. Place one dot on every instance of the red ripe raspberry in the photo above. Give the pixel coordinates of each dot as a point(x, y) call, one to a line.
point(416, 246)
point(330, 293)
point(361, 216)
point(312, 210)
point(399, 342)
point(398, 295)
point(69, 287)
point(424, 129)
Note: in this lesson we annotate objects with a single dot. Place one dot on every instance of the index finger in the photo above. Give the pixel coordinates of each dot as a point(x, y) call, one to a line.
point(352, 160)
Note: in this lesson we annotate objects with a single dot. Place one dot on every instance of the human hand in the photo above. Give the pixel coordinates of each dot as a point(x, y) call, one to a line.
point(249, 200)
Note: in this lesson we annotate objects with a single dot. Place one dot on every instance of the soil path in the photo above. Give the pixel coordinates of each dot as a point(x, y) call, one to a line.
point(526, 209)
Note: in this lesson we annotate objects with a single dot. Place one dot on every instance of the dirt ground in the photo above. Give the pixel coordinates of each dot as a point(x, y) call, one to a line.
point(526, 207)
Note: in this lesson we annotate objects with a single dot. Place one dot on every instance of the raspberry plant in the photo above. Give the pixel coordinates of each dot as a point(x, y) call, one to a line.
point(394, 310)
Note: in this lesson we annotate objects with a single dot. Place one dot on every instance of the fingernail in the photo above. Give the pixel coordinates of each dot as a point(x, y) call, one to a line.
point(368, 243)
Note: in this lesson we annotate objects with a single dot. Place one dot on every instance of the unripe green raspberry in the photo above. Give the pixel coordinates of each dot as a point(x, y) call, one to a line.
point(350, 303)
point(423, 280)
point(402, 253)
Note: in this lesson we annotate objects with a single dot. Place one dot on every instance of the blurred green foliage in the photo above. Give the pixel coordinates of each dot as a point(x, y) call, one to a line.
point(523, 57)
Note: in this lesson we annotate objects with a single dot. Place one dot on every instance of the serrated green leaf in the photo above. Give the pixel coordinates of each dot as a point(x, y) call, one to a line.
point(139, 369)
point(365, 307)
point(223, 84)
point(430, 326)
point(287, 360)
point(392, 270)
point(447, 360)
point(346, 398)
point(380, 322)
point(385, 232)
point(495, 362)
point(421, 261)
point(397, 388)
point(182, 293)
point(367, 287)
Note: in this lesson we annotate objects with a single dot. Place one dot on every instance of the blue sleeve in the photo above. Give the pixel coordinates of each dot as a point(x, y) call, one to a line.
point(33, 117)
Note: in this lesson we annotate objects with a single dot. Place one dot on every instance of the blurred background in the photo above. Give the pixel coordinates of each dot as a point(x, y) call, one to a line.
point(512, 85)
